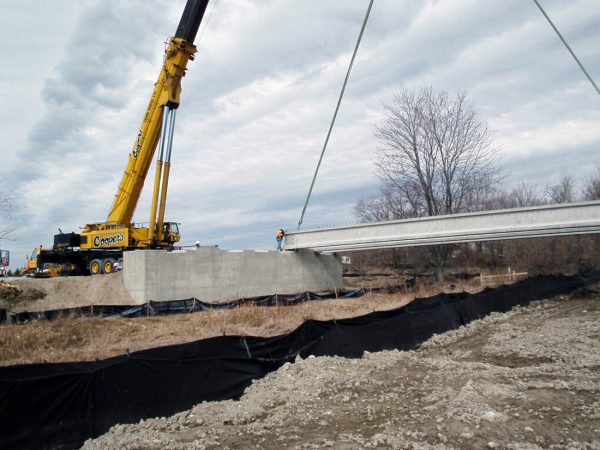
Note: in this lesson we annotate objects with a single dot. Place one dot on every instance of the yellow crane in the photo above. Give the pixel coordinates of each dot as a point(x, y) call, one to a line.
point(96, 249)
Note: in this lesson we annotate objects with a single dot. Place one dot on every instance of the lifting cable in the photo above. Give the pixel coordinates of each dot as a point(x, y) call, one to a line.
point(568, 47)
point(335, 113)
point(207, 21)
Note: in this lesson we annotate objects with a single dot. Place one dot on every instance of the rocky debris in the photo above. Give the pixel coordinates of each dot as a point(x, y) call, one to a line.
point(528, 379)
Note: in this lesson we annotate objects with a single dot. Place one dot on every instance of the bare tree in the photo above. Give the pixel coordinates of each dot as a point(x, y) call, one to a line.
point(591, 188)
point(435, 157)
point(381, 207)
point(550, 254)
point(563, 192)
point(520, 196)
point(435, 151)
point(6, 209)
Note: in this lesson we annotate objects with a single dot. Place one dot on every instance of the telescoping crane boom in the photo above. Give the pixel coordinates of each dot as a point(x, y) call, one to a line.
point(100, 245)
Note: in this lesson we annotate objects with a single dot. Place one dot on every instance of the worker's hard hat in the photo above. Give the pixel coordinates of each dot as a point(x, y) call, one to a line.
point(197, 242)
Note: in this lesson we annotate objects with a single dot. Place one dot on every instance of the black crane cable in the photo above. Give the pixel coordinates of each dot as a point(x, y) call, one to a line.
point(312, 184)
point(568, 47)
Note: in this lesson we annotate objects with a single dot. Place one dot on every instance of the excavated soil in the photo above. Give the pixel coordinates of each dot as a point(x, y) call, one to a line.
point(12, 294)
point(38, 294)
point(528, 379)
point(64, 292)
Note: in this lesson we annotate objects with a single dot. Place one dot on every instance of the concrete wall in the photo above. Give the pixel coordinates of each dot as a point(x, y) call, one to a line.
point(214, 275)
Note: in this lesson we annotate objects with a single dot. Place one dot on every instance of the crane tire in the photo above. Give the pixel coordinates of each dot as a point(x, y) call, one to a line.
point(107, 265)
point(95, 267)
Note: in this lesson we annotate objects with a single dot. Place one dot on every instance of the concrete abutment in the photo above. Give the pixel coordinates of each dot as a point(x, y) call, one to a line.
point(215, 275)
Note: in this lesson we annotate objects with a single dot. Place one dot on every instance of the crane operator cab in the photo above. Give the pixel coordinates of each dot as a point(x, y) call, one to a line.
point(170, 233)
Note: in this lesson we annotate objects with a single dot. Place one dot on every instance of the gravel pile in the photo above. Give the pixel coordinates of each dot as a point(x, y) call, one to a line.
point(528, 379)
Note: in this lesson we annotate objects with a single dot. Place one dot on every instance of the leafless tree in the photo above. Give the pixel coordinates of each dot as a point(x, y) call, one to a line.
point(378, 208)
point(591, 188)
point(435, 157)
point(435, 151)
point(5, 213)
point(6, 210)
point(563, 191)
point(544, 255)
point(520, 196)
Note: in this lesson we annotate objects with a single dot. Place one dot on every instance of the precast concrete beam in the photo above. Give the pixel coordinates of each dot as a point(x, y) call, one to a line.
point(517, 223)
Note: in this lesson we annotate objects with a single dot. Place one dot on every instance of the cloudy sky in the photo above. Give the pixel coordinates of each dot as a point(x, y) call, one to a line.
point(256, 103)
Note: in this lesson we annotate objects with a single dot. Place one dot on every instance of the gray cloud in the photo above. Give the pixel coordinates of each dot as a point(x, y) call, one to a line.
point(257, 101)
point(96, 75)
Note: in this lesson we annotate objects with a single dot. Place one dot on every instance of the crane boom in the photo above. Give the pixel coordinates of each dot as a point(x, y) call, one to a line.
point(180, 49)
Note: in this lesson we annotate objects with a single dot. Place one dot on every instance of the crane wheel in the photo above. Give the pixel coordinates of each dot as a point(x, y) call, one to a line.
point(108, 265)
point(95, 267)
point(47, 266)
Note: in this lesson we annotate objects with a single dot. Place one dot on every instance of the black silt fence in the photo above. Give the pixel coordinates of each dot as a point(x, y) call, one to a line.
point(189, 305)
point(61, 405)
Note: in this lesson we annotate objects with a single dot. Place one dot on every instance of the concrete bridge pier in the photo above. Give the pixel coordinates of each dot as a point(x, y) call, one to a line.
point(214, 275)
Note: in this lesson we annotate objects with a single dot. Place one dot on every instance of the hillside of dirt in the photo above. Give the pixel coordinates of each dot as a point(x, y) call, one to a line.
point(65, 292)
point(527, 379)
point(38, 294)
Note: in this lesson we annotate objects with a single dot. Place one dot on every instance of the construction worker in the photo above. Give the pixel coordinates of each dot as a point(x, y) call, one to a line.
point(279, 238)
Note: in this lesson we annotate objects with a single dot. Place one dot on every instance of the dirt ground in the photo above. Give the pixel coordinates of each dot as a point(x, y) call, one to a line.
point(528, 379)
point(64, 292)
point(38, 294)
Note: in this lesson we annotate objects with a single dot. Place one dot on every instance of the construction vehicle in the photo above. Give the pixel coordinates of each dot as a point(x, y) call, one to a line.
point(31, 261)
point(47, 270)
point(100, 245)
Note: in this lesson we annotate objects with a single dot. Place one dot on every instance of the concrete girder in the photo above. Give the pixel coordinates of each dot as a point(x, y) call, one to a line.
point(517, 223)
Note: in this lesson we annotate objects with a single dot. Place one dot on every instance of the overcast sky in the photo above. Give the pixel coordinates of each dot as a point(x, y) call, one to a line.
point(76, 78)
